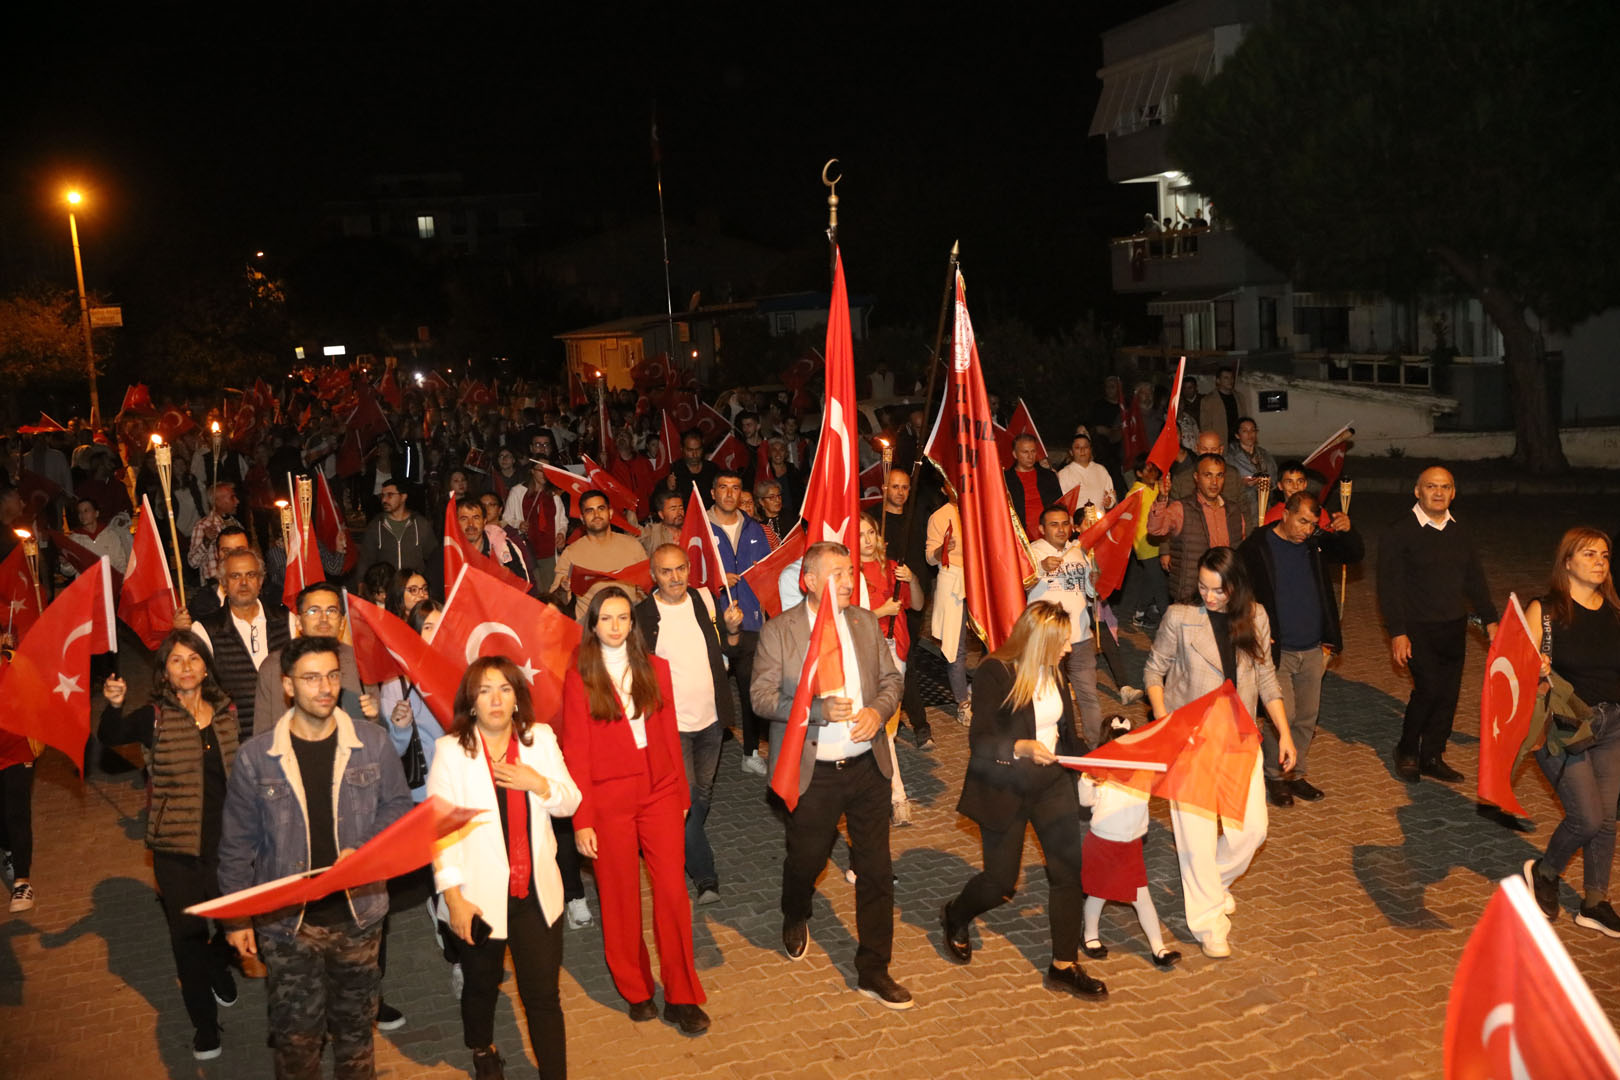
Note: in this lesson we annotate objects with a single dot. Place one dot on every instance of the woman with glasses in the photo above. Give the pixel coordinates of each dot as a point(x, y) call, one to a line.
point(189, 734)
point(1226, 637)
point(409, 589)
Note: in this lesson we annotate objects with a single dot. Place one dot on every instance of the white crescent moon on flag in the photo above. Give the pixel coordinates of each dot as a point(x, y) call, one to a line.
point(475, 640)
point(1503, 666)
point(1502, 1016)
point(78, 632)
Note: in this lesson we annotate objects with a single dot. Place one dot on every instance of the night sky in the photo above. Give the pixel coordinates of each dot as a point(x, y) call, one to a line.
point(195, 138)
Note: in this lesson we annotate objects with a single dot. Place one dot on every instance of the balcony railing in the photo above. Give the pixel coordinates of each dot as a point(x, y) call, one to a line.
point(1372, 369)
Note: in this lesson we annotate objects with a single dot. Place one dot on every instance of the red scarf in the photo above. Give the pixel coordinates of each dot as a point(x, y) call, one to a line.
point(517, 823)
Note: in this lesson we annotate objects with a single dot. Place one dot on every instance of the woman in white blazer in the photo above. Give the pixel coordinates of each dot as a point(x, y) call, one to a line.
point(497, 877)
point(1198, 647)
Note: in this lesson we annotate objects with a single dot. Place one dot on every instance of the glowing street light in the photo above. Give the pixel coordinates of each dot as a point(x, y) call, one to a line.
point(74, 198)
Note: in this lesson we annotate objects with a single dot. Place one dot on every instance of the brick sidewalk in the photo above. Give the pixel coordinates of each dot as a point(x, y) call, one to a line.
point(1348, 927)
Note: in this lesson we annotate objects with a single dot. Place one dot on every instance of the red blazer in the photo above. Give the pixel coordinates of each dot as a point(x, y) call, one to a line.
point(599, 752)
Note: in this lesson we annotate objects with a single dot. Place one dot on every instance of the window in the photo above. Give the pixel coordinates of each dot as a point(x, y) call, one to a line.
point(424, 226)
point(1225, 336)
point(1268, 322)
point(784, 322)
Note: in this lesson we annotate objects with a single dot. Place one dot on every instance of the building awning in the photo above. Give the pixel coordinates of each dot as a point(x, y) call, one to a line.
point(1335, 299)
point(1140, 93)
point(1188, 303)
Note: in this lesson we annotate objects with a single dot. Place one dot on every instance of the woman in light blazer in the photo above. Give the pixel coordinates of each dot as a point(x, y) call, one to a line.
point(1198, 647)
point(501, 868)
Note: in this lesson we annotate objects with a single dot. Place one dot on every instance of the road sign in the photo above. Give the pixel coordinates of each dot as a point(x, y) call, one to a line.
point(107, 316)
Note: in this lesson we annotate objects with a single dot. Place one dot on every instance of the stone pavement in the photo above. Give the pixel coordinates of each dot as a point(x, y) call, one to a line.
point(1347, 931)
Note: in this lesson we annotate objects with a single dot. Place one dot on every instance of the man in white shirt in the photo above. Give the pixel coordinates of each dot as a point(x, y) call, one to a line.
point(1096, 483)
point(681, 626)
point(1067, 578)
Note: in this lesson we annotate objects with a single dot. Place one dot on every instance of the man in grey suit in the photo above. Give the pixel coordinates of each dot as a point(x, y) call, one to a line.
point(845, 770)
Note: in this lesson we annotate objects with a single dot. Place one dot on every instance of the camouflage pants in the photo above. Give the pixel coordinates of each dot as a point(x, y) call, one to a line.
point(323, 983)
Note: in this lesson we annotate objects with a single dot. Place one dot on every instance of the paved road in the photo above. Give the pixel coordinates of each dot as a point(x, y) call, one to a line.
point(1348, 928)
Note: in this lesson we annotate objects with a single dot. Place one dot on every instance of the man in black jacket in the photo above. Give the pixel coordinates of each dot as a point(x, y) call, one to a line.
point(1287, 565)
point(1031, 487)
point(243, 634)
point(1428, 576)
point(703, 706)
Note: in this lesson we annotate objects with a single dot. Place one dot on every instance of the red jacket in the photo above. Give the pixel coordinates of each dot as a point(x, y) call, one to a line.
point(599, 752)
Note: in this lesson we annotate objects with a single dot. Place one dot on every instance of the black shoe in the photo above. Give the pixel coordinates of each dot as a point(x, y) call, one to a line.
point(1407, 769)
point(885, 991)
point(1600, 917)
point(1438, 769)
point(925, 737)
point(388, 1017)
point(488, 1065)
point(224, 988)
point(205, 1044)
point(1304, 789)
point(1094, 952)
point(1277, 793)
point(958, 948)
point(689, 1018)
point(641, 1011)
point(1074, 980)
point(1545, 892)
point(796, 938)
point(1166, 959)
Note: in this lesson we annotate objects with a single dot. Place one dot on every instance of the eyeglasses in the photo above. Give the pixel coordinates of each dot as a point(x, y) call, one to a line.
point(330, 612)
point(416, 590)
point(314, 681)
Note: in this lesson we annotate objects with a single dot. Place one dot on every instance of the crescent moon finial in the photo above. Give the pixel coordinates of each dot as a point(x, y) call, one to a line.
point(833, 181)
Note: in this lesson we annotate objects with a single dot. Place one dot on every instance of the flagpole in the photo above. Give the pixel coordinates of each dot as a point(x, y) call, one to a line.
point(832, 218)
point(663, 230)
point(1344, 568)
point(951, 265)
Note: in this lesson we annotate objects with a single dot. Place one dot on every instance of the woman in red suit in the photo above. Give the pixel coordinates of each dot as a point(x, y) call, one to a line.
point(624, 751)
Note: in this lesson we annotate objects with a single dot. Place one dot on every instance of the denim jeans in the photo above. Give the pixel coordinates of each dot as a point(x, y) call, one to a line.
point(700, 753)
point(1588, 785)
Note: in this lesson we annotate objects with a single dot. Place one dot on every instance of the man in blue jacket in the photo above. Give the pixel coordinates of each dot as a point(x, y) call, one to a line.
point(301, 795)
point(742, 543)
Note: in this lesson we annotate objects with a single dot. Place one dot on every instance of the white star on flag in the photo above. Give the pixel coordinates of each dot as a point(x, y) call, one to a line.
point(66, 686)
point(529, 672)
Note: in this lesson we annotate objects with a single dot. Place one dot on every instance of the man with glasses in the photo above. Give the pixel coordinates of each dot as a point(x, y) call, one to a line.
point(243, 633)
point(402, 538)
point(600, 550)
point(319, 614)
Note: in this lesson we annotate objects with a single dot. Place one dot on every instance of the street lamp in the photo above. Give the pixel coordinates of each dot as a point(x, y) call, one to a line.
point(74, 198)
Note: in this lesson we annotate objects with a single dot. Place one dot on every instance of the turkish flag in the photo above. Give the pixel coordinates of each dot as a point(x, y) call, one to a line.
point(1201, 756)
point(402, 847)
point(704, 568)
point(620, 497)
point(73, 553)
point(731, 455)
point(46, 687)
point(483, 616)
point(832, 500)
point(580, 580)
point(367, 417)
point(385, 647)
point(458, 553)
point(1168, 446)
point(329, 524)
point(389, 389)
point(35, 490)
point(871, 484)
point(1519, 1006)
point(763, 576)
point(146, 600)
point(1512, 680)
point(434, 383)
point(668, 446)
point(1022, 423)
point(799, 373)
point(653, 371)
point(995, 564)
point(1327, 460)
point(332, 383)
point(137, 400)
point(17, 590)
point(710, 423)
point(821, 675)
point(45, 426)
point(577, 485)
point(1112, 538)
point(351, 455)
point(303, 557)
point(174, 422)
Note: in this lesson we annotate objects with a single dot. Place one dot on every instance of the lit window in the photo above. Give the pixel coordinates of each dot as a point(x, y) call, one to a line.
point(424, 227)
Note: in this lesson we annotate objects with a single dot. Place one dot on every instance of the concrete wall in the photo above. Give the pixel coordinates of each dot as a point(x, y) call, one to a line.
point(1591, 373)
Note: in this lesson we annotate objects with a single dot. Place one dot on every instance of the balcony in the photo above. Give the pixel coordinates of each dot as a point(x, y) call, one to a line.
point(1188, 259)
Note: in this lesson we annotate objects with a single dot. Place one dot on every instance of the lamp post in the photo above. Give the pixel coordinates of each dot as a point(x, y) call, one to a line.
point(74, 199)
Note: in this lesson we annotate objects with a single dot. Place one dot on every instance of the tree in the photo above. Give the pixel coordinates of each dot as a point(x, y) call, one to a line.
point(40, 338)
point(1426, 145)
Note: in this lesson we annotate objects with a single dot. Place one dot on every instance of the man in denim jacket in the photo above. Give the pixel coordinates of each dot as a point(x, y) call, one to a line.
point(302, 795)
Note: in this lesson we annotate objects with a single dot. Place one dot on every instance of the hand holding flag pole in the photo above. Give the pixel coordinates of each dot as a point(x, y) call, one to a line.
point(163, 457)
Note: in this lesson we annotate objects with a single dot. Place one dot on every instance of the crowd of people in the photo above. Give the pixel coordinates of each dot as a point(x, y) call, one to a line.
point(268, 755)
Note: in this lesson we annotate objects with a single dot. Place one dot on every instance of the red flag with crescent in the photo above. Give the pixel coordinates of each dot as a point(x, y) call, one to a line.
point(385, 647)
point(577, 485)
point(1512, 680)
point(581, 580)
point(1327, 460)
point(1112, 538)
point(1519, 1006)
point(731, 455)
point(484, 616)
point(146, 598)
point(764, 576)
point(1168, 445)
point(458, 553)
point(18, 593)
point(822, 674)
point(832, 500)
point(46, 687)
point(704, 568)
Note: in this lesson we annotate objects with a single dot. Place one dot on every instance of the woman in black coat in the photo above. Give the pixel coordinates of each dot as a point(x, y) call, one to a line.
point(1022, 720)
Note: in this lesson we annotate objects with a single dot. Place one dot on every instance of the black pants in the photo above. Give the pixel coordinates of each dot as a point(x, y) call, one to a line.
point(1055, 814)
point(742, 666)
point(17, 816)
point(911, 701)
point(858, 792)
point(536, 959)
point(568, 859)
point(1438, 649)
point(201, 961)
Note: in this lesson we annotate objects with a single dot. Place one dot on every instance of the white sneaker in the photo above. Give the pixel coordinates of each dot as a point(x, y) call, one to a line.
point(964, 713)
point(900, 813)
point(753, 763)
point(1215, 947)
point(1129, 695)
point(579, 914)
point(1229, 905)
point(22, 897)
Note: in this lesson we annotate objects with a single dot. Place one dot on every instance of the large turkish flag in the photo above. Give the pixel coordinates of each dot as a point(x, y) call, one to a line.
point(484, 616)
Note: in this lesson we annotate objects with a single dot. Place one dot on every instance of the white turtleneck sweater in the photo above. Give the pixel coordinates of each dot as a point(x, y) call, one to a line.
point(616, 658)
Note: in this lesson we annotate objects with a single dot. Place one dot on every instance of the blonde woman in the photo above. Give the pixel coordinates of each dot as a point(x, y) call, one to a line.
point(1023, 719)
